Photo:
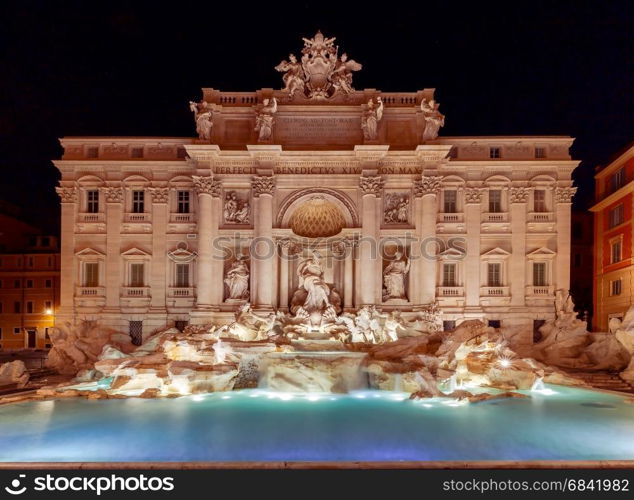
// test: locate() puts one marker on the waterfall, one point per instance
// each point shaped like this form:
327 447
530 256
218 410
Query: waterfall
398 382
538 385
220 351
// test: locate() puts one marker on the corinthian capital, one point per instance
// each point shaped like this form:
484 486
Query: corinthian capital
564 194
473 195
262 185
429 184
67 194
159 194
112 194
519 194
206 185
371 185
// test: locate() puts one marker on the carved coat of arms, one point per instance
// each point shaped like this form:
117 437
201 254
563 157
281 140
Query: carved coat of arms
321 73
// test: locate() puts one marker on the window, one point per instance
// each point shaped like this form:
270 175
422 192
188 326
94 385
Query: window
539 274
495 200
616 216
494 323
17 307
17 284
181 153
137 153
30 264
91 274
616 251
138 205
495 152
494 274
448 325
137 275
449 275
29 283
92 152
49 283
29 307
540 152
618 179
578 260
92 201
16 330
183 202
539 200
615 287
136 332
450 197
46 241
1 308
182 275
48 305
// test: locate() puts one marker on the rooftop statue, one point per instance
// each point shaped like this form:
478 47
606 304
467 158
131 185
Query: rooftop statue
321 74
203 119
434 119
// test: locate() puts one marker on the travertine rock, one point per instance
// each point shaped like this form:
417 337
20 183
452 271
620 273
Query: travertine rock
14 372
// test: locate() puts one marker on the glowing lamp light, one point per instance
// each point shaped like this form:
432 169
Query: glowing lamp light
49 311
505 363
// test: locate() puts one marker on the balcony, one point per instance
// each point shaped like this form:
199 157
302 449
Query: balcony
89 217
494 291
179 292
450 217
450 291
181 218
495 217
546 291
540 217
136 291
132 217
90 291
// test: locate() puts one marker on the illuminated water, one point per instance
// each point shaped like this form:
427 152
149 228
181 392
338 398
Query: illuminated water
569 424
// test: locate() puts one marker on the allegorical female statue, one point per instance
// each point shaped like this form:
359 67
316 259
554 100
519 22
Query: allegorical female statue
203 118
293 75
371 118
394 277
434 119
237 280
264 119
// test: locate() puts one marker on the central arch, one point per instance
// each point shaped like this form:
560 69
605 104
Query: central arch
296 199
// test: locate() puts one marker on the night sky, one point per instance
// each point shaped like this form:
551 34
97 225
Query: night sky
509 68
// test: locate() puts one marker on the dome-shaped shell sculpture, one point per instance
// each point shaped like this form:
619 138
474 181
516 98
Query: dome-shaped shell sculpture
316 218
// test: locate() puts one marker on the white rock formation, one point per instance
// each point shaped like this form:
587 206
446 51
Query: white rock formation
625 335
14 372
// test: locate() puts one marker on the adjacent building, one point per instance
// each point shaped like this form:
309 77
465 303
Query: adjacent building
29 285
613 222
173 231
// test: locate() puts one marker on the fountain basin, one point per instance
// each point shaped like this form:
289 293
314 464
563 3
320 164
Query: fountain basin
261 425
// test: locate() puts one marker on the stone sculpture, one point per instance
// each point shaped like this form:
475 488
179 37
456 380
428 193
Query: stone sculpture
293 75
433 119
203 119
237 279
264 119
370 119
394 277
236 211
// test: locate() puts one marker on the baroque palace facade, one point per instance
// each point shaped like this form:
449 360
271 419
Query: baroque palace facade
172 231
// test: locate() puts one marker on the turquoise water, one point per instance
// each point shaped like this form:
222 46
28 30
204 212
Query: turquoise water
256 425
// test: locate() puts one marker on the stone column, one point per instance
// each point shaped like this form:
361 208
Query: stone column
263 250
348 274
68 271
114 213
473 220
158 267
283 249
427 189
206 188
369 258
517 264
563 201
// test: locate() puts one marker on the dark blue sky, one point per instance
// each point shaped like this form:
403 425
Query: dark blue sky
129 68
